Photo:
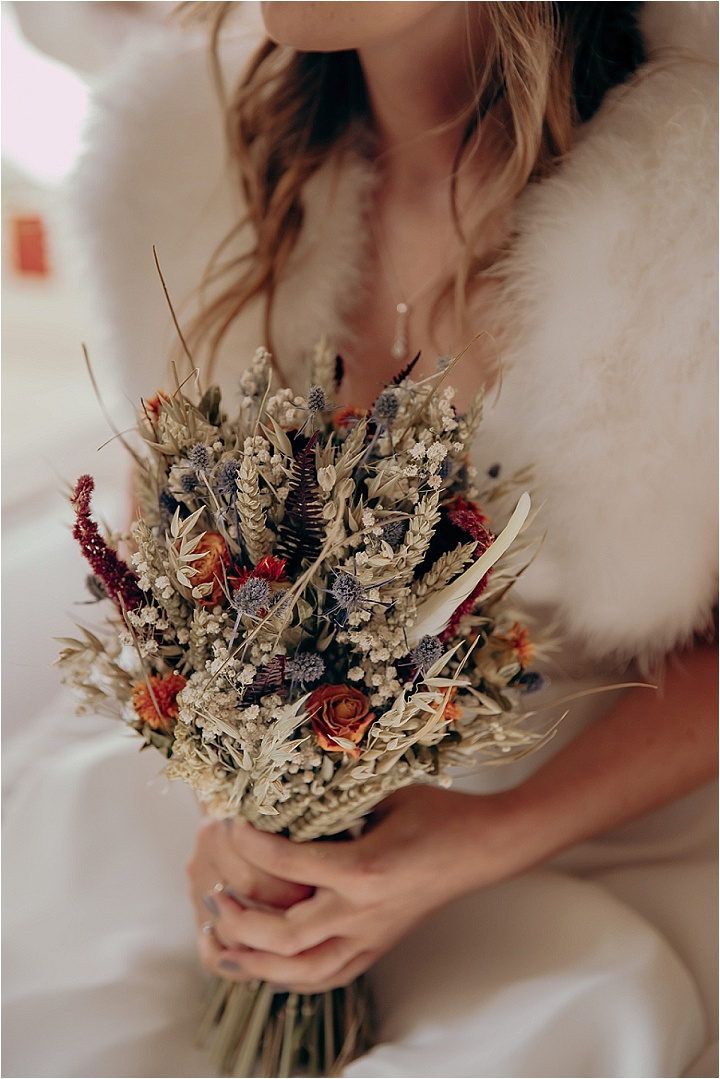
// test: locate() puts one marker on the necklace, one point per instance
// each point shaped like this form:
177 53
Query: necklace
401 336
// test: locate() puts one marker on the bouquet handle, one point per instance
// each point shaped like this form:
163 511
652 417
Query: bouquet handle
252 1029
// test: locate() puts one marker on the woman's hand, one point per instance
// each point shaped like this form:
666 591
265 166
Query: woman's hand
309 916
339 905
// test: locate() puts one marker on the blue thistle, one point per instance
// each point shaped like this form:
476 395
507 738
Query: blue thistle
394 533
251 597
199 457
350 594
426 652
226 477
317 400
386 408
305 667
347 592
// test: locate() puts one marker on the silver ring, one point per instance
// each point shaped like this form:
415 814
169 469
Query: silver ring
219 886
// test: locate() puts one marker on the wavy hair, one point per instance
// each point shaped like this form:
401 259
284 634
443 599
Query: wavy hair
545 68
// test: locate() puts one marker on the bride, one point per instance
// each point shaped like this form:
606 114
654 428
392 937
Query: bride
404 176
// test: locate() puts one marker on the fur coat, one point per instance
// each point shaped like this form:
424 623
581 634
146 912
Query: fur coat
609 385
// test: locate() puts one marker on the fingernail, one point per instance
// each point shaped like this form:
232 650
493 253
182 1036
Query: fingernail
234 895
211 905
229 964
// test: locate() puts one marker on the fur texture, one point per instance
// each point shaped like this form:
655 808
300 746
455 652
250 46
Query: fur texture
609 384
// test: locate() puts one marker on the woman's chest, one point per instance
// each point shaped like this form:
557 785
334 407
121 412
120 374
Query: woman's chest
385 333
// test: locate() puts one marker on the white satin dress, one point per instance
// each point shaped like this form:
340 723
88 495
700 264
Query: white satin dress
600 964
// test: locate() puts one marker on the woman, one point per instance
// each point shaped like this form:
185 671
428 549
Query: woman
573 155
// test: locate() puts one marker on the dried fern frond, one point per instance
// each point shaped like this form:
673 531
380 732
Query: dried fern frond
302 529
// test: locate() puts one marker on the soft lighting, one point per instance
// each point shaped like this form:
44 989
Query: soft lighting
43 108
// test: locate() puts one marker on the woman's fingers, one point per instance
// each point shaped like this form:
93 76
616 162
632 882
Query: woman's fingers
214 958
284 933
216 861
335 963
316 966
253 888
346 974
314 864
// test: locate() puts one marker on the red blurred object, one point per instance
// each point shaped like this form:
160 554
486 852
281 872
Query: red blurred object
29 245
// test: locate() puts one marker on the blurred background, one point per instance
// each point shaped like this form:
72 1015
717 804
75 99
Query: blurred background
52 56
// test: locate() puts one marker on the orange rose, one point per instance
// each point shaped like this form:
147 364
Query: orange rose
339 712
210 568
158 709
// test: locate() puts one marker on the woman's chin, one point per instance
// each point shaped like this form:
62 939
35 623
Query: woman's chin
335 25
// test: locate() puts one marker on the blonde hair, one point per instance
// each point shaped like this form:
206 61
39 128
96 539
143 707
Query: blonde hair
547 65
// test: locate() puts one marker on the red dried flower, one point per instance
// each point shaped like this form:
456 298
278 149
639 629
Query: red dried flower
158 709
269 568
120 581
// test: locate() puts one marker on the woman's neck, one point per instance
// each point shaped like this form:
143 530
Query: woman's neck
418 83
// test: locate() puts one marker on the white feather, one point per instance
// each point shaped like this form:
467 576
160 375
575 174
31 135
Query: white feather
435 613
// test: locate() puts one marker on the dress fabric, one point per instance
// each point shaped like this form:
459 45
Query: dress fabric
601 963
598 964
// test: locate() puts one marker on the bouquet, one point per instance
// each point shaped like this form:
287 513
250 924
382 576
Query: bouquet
312 613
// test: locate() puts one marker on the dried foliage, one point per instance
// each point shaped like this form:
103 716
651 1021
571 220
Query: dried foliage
301 534
297 552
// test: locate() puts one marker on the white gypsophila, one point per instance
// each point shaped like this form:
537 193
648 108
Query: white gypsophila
247 674
253 380
437 452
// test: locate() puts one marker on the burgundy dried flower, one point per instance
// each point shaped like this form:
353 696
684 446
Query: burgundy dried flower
466 517
119 580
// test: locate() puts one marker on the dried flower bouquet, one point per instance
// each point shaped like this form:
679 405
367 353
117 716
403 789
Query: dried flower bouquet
315 614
